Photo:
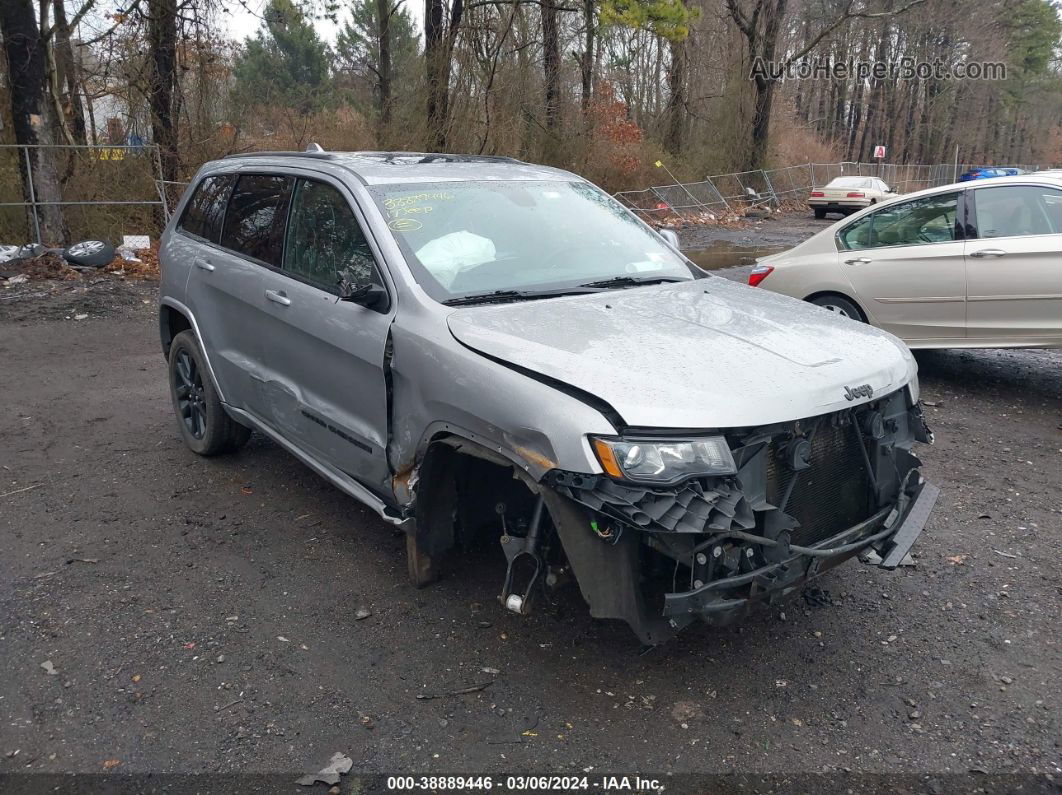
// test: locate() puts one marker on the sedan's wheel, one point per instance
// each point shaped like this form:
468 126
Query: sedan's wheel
204 425
820 212
839 305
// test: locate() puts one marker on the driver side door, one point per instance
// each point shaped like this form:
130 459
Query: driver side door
907 268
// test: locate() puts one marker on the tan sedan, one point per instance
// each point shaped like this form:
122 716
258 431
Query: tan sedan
846 195
971 265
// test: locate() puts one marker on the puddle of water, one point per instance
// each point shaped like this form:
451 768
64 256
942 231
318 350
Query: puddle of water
724 254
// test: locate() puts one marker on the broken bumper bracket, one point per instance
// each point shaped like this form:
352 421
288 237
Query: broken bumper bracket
719 601
911 527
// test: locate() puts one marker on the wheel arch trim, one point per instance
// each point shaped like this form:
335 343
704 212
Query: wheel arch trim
173 303
840 294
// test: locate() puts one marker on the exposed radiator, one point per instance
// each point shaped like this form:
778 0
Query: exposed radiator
830 496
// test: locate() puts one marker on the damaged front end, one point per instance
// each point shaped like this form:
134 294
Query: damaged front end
801 497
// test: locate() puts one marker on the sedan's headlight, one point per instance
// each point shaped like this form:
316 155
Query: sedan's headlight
664 460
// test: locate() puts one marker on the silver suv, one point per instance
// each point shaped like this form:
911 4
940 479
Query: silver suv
480 349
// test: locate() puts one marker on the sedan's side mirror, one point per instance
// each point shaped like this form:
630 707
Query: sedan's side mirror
370 296
671 236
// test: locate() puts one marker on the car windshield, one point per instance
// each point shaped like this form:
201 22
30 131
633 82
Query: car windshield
522 238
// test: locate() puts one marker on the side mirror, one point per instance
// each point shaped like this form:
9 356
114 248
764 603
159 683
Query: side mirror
370 296
671 236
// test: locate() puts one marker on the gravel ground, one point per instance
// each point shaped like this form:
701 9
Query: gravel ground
210 615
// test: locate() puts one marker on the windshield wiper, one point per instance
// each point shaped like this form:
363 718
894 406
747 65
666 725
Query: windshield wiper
499 296
631 281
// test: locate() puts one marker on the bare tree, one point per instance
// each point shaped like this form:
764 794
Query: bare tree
32 115
440 34
162 40
761 23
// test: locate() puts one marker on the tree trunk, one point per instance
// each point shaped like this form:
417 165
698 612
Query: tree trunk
162 41
676 98
437 72
383 98
32 117
761 118
586 57
68 79
551 64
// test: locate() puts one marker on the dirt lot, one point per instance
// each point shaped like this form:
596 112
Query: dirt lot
203 615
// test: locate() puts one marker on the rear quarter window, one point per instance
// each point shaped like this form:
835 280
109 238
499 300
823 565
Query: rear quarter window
206 211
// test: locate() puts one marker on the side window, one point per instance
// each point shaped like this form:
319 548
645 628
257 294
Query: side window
857 235
913 223
1018 211
325 244
205 212
254 222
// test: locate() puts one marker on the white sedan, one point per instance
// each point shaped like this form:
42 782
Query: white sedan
845 195
970 265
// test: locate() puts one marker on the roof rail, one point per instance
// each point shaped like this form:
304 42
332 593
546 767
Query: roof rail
421 158
319 155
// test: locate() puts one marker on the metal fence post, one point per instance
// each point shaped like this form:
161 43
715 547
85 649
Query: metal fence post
32 194
719 193
770 187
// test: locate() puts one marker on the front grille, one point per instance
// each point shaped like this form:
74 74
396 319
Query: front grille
830 496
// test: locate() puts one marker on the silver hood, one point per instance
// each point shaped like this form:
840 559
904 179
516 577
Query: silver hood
703 354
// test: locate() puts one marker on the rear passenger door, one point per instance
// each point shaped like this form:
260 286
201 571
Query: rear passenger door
222 285
1014 265
323 359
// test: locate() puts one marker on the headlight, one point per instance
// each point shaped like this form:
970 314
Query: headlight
664 460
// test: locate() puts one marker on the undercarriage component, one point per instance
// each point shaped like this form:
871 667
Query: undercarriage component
524 560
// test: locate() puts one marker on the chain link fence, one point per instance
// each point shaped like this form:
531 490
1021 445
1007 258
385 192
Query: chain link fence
104 191
109 191
725 193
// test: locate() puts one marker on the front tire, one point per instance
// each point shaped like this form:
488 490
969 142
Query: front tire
839 305
204 424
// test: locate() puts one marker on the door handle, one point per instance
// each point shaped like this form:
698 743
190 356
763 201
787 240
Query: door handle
278 298
858 261
988 252
202 264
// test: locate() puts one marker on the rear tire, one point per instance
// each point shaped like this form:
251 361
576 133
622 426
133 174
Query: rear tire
839 305
204 424
819 213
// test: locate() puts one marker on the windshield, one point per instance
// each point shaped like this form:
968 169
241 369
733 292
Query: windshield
470 238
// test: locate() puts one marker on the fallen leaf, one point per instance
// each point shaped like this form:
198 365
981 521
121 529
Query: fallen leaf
957 560
111 763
